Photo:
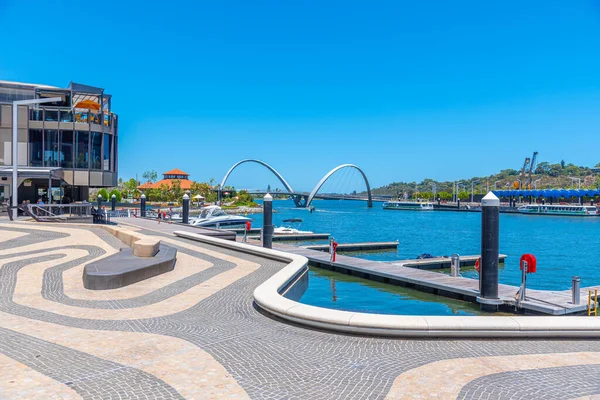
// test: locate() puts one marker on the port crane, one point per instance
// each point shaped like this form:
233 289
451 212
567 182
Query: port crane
519 184
531 168
526 172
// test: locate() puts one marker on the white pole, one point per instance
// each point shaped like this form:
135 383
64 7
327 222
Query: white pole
15 163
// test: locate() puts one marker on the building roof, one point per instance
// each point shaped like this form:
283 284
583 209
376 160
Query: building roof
23 84
185 184
176 171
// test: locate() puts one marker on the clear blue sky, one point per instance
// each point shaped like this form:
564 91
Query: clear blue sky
406 90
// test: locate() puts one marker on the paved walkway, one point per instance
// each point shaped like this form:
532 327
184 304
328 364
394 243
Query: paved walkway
194 333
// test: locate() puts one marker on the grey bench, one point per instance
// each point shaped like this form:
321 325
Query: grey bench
123 268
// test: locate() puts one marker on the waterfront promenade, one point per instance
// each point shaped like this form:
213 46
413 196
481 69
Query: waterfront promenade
195 333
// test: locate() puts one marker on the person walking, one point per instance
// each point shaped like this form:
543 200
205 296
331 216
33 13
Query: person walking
170 214
159 216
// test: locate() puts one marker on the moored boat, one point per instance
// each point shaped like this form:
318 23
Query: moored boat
407 205
559 209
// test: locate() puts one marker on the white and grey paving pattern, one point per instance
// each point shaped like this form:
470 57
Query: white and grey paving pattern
248 353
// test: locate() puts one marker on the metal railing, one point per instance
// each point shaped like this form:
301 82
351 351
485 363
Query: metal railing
56 114
61 210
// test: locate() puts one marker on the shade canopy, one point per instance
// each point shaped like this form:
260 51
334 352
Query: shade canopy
549 193
90 104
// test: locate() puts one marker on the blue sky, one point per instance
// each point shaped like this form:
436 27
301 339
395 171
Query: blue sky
406 90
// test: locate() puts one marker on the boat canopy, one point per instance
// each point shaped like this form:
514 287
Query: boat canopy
292 220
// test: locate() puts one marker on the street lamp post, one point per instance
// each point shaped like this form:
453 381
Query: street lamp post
472 188
535 183
495 184
578 181
15 147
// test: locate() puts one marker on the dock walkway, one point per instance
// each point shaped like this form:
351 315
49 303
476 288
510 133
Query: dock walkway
538 301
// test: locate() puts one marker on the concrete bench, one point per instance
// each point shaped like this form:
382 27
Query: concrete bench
124 268
146 247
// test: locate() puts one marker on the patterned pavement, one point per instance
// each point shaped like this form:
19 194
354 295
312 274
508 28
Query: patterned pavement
195 333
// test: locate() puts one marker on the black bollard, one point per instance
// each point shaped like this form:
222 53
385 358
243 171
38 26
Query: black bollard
458 203
267 230
113 201
488 272
143 206
186 209
99 201
439 201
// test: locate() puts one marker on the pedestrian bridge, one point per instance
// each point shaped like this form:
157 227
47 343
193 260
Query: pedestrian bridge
304 199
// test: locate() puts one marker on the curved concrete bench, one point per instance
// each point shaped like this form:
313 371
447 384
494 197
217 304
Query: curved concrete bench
146 247
268 297
123 268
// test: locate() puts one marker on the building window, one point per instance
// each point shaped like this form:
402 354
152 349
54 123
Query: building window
107 149
81 149
66 149
36 114
50 115
66 116
51 148
96 150
36 147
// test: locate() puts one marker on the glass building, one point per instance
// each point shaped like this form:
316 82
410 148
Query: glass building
64 148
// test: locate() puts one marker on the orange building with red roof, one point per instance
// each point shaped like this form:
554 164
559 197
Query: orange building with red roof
168 178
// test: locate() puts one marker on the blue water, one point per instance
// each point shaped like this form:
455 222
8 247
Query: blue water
563 246
324 288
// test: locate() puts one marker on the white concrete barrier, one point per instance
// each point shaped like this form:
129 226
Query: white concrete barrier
268 298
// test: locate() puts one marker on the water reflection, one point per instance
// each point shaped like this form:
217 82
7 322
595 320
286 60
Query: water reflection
338 291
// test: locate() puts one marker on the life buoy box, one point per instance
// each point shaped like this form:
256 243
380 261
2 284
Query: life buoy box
477 264
531 263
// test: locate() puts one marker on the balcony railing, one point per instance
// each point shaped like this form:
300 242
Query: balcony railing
54 114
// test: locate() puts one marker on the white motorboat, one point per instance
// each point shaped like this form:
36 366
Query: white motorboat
214 216
290 228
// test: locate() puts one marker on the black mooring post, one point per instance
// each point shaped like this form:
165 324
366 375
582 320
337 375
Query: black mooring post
458 203
267 230
143 206
186 209
488 273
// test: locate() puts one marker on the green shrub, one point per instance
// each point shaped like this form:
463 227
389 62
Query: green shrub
104 193
116 193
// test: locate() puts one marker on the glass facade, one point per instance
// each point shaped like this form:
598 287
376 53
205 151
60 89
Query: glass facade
82 139
66 149
51 148
107 151
96 150
36 147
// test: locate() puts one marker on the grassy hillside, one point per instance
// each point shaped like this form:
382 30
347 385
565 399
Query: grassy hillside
547 176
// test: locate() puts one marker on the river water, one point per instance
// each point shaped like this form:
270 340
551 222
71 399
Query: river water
563 246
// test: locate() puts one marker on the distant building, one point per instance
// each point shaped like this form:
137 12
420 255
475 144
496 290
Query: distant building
69 146
168 178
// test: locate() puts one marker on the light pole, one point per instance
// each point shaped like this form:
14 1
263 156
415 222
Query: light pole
15 147
434 188
535 183
495 184
578 182
472 188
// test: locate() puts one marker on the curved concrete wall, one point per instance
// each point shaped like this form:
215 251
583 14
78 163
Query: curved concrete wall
268 297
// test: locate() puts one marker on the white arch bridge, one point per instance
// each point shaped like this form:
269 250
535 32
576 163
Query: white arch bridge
304 199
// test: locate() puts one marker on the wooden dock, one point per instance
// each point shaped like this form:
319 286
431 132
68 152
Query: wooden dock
295 237
352 247
441 262
537 301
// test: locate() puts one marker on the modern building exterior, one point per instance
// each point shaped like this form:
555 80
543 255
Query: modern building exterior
68 146
167 181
